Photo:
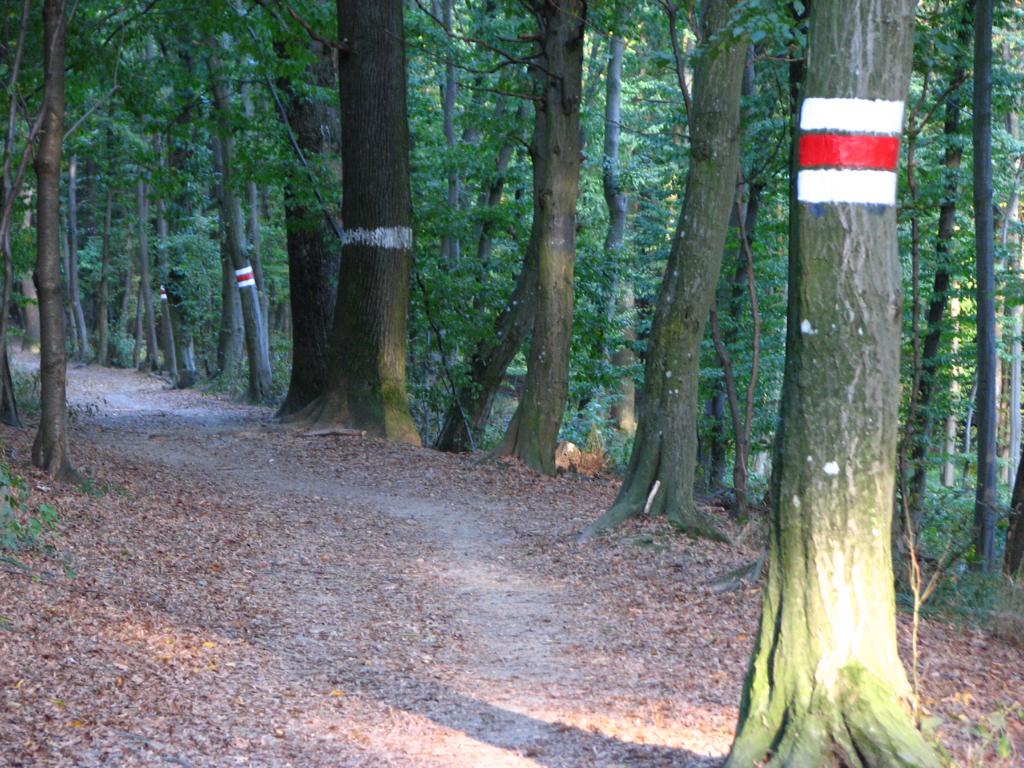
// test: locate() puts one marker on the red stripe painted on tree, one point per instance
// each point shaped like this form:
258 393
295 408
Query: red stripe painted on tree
832 150
245 277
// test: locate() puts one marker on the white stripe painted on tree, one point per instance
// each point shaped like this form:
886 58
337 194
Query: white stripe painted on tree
399 238
832 185
245 277
853 115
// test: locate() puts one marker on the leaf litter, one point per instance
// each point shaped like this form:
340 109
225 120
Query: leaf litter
247 595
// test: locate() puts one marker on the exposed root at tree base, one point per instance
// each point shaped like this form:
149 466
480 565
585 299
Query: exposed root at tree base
862 724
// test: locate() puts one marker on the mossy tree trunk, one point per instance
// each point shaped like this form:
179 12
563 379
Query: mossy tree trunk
366 362
557 155
826 686
665 449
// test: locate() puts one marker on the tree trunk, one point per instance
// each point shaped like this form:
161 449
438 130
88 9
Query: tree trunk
230 331
450 246
984 247
103 290
152 362
313 250
924 420
557 155
366 361
661 468
624 409
75 294
170 351
50 449
256 346
826 685
30 313
252 229
1013 562
470 409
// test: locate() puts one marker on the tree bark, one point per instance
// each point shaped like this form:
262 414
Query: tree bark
313 249
74 293
256 346
252 229
30 313
103 290
50 448
470 409
152 362
166 326
984 247
1013 562
366 363
660 475
924 421
557 152
825 685
624 409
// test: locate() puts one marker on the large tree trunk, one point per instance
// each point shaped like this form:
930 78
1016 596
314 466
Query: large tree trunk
624 409
366 366
557 154
1013 562
826 685
256 346
984 248
661 467
50 449
313 249
74 293
146 286
103 290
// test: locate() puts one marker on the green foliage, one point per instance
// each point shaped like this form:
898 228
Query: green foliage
21 529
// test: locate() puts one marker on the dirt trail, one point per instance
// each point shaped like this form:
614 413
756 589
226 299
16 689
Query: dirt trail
248 595
432 614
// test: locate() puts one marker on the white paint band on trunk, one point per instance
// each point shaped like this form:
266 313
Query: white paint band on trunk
831 185
381 237
853 115
245 277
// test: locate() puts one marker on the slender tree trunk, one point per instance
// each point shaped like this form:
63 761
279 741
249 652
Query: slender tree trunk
252 228
366 366
624 409
557 153
103 290
74 293
470 409
50 449
313 249
923 423
985 488
825 686
256 346
1013 562
660 475
230 332
30 313
152 362
166 326
1011 241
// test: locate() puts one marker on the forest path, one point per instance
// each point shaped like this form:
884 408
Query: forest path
248 595
379 604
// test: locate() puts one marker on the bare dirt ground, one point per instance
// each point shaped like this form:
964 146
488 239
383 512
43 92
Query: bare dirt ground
247 595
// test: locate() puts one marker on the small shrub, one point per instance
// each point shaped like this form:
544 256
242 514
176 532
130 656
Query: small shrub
1008 617
22 529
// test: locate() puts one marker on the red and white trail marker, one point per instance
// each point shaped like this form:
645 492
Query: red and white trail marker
245 277
848 151
163 293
